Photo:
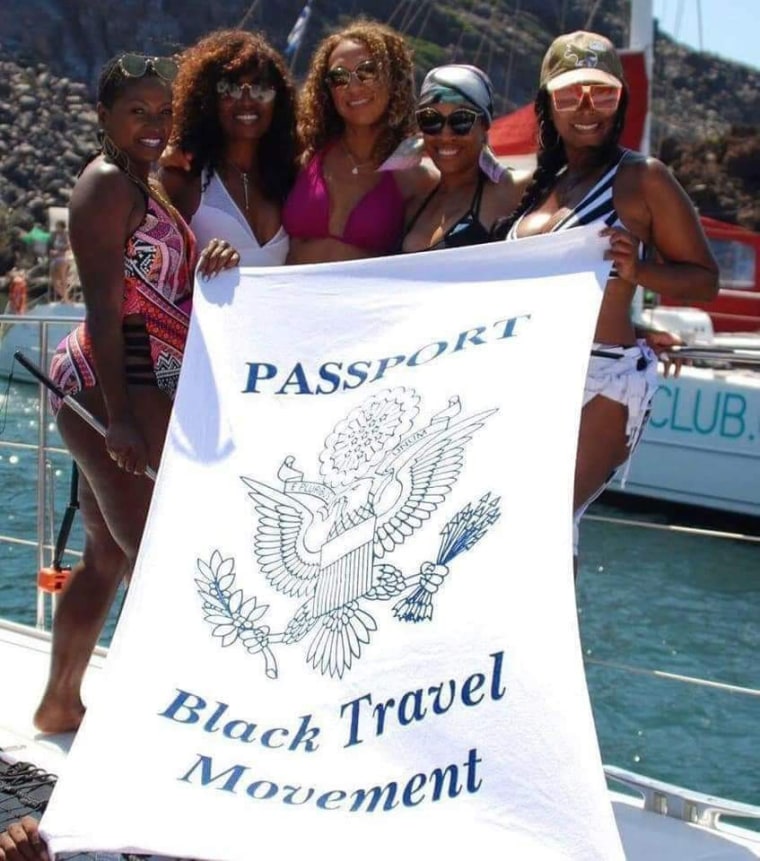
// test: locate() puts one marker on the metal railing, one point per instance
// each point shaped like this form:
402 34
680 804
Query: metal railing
42 447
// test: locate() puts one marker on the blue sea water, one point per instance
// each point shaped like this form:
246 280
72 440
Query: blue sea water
685 604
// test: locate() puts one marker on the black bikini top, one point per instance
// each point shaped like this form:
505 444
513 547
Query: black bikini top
467 230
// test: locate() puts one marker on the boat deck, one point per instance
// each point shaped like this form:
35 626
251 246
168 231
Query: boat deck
647 836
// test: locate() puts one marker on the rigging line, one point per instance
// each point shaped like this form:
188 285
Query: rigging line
678 19
699 24
592 15
424 24
487 29
396 8
251 9
676 677
416 14
673 527
510 58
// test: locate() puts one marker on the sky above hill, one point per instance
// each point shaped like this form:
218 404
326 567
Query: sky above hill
730 28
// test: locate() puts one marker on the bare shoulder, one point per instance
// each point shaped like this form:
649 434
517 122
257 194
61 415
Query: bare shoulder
103 186
183 189
417 181
512 184
648 173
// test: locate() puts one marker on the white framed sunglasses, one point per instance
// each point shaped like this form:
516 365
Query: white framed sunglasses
228 89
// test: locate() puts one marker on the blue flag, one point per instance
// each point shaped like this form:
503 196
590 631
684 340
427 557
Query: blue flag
299 28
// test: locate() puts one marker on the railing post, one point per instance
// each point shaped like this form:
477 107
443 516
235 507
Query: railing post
41 481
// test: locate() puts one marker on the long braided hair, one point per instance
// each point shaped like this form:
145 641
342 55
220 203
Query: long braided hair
551 158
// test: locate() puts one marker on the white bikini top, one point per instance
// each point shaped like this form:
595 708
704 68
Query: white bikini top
219 217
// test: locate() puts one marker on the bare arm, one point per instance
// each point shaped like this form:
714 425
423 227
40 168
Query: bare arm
106 207
686 268
183 189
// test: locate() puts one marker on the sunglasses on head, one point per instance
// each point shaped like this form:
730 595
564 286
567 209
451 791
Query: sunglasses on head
136 65
432 122
258 92
603 97
367 72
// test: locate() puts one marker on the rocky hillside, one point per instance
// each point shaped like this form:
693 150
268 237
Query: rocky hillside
706 110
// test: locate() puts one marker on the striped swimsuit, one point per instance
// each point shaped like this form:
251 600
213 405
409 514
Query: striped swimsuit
627 375
158 266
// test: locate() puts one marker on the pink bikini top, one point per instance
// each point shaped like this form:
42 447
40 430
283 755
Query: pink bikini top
375 223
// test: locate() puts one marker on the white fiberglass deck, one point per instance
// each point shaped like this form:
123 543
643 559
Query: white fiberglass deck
647 836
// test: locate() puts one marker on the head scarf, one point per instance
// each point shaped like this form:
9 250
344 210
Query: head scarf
453 84
458 83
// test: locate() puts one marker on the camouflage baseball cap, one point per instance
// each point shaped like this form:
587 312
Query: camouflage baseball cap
581 57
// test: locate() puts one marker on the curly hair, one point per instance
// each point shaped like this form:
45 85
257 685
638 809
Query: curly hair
197 130
551 158
319 121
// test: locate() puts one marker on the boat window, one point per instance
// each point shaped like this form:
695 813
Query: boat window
737 261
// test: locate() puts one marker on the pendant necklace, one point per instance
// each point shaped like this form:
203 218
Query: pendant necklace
244 178
355 166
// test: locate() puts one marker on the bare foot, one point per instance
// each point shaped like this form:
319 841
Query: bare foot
52 717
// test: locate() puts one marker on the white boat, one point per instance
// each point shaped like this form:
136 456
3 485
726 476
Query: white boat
701 446
36 334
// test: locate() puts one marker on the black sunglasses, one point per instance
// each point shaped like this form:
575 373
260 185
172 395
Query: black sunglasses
136 65
432 122
367 72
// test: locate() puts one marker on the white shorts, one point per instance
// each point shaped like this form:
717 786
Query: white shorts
627 375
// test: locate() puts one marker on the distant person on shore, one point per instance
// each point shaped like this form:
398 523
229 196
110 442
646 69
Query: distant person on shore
454 112
583 177
58 255
135 256
234 144
356 107
18 292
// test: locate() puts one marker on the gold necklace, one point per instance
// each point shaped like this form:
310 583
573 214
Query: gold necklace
245 178
356 166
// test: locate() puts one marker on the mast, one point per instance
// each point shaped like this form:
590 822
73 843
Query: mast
641 38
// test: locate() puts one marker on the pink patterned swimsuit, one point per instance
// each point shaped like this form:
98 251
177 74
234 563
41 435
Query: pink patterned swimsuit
158 265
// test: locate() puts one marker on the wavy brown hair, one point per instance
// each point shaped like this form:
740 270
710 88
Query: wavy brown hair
197 130
551 158
319 121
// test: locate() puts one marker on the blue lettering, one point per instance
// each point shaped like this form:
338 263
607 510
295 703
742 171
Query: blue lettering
471 686
734 417
438 346
697 404
246 735
266 737
673 420
375 794
438 775
289 793
418 711
235 773
438 689
183 701
331 800
305 735
258 371
497 689
471 335
270 789
510 325
354 705
297 377
390 362
411 788
353 370
329 377
655 422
